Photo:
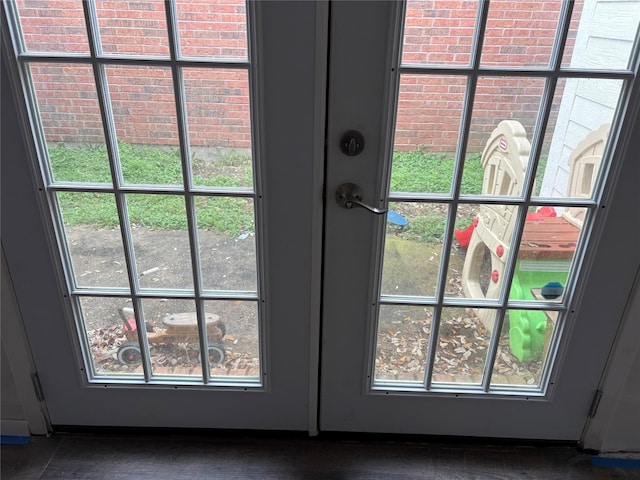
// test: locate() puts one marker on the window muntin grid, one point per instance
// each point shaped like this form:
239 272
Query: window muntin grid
551 76
138 290
420 69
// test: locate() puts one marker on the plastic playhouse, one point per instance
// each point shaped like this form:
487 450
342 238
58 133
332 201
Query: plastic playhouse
548 241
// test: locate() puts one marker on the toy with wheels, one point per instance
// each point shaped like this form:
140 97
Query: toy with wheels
176 328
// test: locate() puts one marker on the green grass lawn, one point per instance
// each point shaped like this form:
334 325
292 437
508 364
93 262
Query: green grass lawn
147 165
419 171
413 171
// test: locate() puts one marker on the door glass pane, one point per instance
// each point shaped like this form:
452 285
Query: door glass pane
576 137
71 123
463 343
133 28
219 124
520 34
426 134
402 343
172 333
93 239
112 343
602 35
213 29
53 27
226 236
413 248
143 183
524 348
240 343
545 257
439 32
504 115
144 113
484 243
497 163
160 240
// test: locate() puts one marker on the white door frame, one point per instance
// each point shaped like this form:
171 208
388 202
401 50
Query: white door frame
346 405
19 361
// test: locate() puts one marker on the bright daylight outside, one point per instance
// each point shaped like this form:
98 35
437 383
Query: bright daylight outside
456 350
151 227
145 233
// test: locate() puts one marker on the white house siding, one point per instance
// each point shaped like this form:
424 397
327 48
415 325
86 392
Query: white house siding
604 40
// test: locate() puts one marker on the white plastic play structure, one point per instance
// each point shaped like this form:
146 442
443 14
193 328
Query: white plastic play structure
584 165
504 160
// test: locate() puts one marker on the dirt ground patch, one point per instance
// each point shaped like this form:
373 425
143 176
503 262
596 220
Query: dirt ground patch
164 261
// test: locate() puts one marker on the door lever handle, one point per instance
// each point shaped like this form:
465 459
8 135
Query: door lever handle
349 195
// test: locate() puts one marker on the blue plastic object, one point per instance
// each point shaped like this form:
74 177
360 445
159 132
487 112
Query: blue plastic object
552 290
14 440
528 328
613 462
396 218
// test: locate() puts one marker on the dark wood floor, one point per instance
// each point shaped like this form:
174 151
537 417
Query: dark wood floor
160 456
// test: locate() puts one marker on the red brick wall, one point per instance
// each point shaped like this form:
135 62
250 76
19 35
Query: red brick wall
436 32
518 33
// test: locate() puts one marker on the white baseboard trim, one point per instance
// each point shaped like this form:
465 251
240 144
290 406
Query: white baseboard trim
15 428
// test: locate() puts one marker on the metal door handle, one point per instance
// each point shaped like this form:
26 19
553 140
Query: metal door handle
349 195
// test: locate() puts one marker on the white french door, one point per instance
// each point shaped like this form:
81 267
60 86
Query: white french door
358 319
221 101
410 342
